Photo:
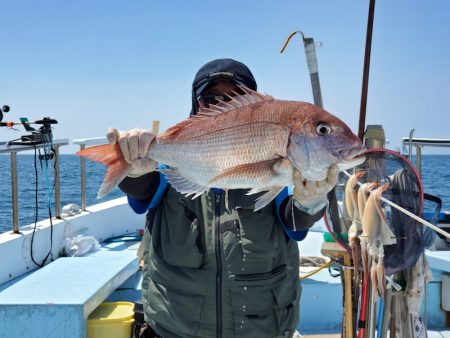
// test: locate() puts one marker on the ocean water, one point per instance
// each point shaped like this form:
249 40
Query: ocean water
70 182
435 177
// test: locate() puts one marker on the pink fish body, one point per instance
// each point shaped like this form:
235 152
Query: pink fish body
253 141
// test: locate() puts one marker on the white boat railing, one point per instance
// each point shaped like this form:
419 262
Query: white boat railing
6 148
419 143
83 142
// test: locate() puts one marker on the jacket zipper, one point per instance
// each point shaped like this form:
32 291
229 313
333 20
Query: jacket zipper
260 276
219 268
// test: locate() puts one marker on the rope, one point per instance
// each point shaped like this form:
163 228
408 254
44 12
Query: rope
326 265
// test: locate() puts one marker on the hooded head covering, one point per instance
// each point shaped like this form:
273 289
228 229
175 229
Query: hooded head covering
220 70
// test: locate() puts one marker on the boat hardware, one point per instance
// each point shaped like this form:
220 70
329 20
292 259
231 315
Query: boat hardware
311 59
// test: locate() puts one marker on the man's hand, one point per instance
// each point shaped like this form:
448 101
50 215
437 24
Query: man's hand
312 194
134 145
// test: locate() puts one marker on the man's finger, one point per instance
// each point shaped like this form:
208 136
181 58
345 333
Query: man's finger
145 138
333 175
112 135
298 178
123 142
133 145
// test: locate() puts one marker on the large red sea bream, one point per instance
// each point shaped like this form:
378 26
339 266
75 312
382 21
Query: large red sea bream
251 141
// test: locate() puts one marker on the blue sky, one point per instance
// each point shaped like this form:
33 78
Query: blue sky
96 64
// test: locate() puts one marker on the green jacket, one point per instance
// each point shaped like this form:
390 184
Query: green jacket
219 270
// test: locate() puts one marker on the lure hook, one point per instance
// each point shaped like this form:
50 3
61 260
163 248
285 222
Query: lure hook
289 39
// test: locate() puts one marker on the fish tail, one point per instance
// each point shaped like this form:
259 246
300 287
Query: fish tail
110 156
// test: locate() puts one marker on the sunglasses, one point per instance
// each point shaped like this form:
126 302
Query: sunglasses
211 99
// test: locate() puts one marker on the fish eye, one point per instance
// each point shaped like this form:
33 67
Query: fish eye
323 129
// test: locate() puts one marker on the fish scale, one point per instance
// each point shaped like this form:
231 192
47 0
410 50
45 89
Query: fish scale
203 159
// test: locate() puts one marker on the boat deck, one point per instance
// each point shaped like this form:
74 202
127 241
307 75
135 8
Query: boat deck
431 334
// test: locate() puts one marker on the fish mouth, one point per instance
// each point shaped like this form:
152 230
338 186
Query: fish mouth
354 161
354 157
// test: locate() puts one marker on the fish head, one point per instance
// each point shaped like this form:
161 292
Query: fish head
319 140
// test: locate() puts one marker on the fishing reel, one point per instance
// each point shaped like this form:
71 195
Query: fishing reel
4 109
40 136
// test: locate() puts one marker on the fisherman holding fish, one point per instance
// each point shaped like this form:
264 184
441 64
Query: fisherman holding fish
226 263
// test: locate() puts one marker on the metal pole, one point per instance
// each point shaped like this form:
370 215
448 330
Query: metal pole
83 180
14 192
57 185
411 133
310 51
419 159
365 83
311 60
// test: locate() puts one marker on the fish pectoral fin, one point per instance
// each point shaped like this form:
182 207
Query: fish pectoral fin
259 174
265 199
271 176
254 191
182 184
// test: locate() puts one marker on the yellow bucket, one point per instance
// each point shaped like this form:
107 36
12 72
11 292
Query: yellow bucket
111 319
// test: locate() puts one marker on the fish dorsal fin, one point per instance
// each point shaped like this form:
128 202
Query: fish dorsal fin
233 102
182 184
237 101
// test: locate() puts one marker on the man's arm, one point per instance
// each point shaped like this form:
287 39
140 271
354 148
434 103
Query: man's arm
298 218
290 212
140 190
307 205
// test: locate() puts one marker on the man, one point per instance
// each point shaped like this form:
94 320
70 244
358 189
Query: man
217 269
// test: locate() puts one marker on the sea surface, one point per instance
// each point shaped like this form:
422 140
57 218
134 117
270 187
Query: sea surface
435 178
70 182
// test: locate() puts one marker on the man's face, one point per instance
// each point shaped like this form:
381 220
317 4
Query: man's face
213 94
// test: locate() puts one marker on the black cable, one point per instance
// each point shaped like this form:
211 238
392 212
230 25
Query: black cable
36 209
50 215
49 203
36 216
49 209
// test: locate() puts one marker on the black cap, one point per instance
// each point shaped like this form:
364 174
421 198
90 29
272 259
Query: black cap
221 70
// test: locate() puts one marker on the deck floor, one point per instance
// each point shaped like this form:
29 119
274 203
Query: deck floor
323 336
431 334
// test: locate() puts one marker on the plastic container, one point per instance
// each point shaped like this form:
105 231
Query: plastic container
111 319
328 238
